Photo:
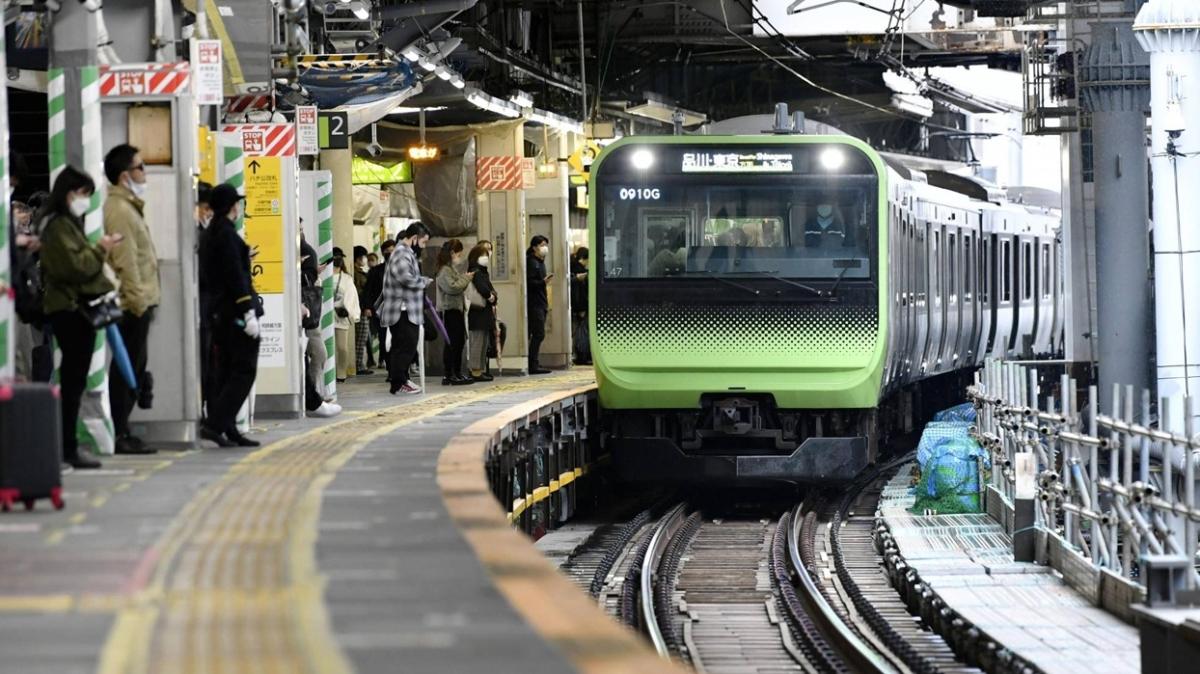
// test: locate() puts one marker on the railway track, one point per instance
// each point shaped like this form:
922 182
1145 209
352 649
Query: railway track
803 589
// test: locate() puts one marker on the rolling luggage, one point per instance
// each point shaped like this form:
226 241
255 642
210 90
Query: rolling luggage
30 445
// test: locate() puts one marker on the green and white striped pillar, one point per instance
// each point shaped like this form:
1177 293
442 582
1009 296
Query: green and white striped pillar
325 254
95 428
233 170
7 308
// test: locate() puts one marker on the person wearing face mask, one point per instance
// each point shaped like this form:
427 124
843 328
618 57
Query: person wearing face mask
537 300
234 310
401 306
451 288
579 306
371 296
825 229
136 265
73 274
362 329
481 319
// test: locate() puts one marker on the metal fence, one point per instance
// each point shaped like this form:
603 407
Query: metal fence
1116 482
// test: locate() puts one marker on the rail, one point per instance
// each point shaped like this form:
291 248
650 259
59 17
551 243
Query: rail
663 534
1115 485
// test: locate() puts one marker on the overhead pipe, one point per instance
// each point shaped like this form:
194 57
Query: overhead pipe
424 8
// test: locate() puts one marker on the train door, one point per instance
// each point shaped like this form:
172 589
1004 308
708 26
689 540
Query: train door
923 314
951 329
987 295
933 344
970 310
1045 297
1005 306
1056 331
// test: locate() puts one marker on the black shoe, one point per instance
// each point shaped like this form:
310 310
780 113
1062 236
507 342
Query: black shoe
132 445
240 440
216 436
484 377
538 370
81 462
447 381
364 372
459 380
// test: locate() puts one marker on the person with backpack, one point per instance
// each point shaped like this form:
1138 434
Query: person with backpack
24 245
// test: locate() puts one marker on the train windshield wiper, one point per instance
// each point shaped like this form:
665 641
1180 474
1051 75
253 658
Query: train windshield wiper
714 276
775 275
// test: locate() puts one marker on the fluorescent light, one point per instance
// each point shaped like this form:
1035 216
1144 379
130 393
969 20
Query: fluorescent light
406 110
657 108
522 99
427 64
642 159
360 10
443 73
833 158
458 82
412 54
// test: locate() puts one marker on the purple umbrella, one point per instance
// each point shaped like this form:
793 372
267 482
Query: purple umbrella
437 320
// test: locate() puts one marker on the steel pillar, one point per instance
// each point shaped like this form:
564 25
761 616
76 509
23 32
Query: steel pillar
1170 31
1115 73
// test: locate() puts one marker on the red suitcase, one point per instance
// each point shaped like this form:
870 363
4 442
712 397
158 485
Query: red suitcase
30 445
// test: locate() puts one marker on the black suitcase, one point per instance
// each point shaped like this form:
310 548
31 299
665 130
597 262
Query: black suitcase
30 445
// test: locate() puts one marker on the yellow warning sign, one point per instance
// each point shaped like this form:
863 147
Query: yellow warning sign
264 186
581 160
207 155
264 223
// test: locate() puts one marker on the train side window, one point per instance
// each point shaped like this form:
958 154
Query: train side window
952 267
968 280
1006 263
936 265
1027 267
1047 282
985 286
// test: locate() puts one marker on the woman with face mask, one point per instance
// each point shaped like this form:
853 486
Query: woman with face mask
452 285
72 274
481 319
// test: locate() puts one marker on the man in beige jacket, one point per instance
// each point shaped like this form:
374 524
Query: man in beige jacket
136 264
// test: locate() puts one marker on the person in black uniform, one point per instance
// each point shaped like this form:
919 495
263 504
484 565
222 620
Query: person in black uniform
536 300
826 228
234 310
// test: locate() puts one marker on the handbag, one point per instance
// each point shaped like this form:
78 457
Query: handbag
311 297
101 311
342 312
473 297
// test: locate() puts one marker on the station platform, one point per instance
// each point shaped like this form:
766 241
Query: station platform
968 561
329 549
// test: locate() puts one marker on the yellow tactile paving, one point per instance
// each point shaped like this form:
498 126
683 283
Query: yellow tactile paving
235 587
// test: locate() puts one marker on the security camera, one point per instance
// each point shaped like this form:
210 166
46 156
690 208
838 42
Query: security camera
374 150
1175 123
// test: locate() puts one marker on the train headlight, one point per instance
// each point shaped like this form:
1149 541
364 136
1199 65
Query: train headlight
833 159
642 159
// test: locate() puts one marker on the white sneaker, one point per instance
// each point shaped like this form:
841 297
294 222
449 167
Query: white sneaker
410 389
326 410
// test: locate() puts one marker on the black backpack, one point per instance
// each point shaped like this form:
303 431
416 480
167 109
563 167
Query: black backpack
27 285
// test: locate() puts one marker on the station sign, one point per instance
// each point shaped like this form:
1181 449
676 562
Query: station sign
307 136
333 130
208 84
264 222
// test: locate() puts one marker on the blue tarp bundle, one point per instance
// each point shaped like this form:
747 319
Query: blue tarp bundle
963 412
949 465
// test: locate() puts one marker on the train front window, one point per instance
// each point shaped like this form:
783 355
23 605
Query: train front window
733 226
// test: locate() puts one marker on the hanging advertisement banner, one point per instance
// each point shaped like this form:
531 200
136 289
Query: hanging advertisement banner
307 139
208 84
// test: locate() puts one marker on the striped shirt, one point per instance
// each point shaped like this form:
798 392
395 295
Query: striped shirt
403 288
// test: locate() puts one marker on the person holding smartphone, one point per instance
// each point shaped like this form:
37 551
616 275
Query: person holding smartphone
537 301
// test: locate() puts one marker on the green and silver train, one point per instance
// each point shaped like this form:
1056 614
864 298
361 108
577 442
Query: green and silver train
777 307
